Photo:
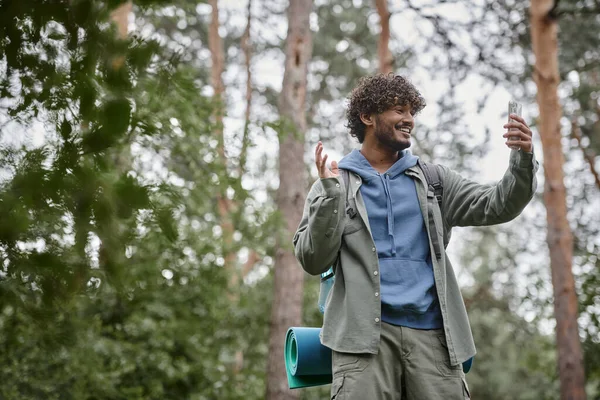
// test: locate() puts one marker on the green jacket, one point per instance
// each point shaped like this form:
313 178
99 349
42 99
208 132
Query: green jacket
326 237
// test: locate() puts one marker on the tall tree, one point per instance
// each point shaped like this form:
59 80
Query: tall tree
559 236
386 60
223 203
120 17
289 277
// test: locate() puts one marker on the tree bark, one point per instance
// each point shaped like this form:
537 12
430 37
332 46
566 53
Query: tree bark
224 205
289 278
559 236
120 17
386 60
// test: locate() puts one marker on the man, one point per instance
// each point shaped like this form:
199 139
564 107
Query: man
395 319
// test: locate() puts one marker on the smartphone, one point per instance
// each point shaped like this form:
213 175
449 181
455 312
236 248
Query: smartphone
514 108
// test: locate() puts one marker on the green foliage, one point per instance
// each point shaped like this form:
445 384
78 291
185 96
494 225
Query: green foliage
77 183
513 360
112 283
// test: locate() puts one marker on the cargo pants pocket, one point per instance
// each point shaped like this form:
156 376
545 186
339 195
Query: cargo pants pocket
442 358
349 362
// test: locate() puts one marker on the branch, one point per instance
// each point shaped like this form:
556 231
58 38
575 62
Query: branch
589 157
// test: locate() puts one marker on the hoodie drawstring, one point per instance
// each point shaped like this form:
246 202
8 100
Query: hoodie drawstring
390 211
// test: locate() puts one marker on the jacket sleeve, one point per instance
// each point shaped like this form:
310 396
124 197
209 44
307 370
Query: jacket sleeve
319 236
466 203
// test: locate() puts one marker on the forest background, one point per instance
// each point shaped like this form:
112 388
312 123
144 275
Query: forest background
151 159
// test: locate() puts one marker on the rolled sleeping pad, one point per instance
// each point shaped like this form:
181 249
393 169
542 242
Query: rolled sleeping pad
307 361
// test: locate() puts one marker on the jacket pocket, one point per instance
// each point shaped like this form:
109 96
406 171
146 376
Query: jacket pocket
336 388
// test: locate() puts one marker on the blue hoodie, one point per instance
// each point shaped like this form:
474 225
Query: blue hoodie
408 293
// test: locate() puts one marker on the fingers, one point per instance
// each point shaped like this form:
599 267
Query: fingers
321 163
518 126
318 151
319 160
519 135
519 140
518 118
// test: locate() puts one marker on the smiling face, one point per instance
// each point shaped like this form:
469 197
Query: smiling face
379 95
392 128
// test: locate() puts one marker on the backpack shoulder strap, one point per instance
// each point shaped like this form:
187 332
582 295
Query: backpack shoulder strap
351 210
435 190
345 178
433 180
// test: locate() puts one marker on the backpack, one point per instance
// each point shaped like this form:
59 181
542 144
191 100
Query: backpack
435 190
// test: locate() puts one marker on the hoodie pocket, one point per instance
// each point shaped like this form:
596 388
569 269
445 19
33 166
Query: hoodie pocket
406 285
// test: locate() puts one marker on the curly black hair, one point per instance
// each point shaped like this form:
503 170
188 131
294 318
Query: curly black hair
376 94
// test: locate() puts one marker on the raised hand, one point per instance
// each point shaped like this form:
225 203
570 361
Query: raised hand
523 133
321 160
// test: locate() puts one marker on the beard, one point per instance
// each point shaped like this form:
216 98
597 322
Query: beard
390 136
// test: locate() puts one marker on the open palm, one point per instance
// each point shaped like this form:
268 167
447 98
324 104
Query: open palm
321 162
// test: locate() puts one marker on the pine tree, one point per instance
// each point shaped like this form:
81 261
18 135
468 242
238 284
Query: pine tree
559 236
289 277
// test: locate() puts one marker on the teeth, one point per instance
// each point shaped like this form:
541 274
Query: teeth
405 129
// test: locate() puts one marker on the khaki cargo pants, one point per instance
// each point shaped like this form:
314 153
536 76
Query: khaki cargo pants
412 364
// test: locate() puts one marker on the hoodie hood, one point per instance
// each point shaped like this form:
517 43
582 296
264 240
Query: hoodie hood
358 164
380 183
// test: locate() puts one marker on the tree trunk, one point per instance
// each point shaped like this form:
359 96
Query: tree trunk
224 205
559 236
253 257
289 278
386 59
120 17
